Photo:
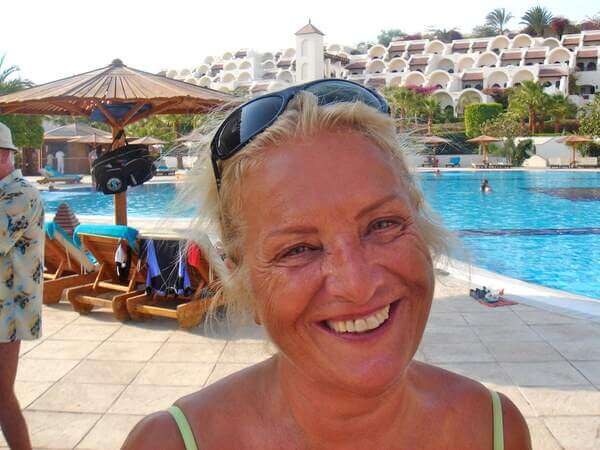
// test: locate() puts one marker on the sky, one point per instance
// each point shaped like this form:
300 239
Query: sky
51 39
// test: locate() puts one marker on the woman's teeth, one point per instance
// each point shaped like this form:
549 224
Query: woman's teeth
361 325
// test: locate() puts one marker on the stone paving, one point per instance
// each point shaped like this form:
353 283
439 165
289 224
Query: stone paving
91 378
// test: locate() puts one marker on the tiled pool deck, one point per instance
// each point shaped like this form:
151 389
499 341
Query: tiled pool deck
91 378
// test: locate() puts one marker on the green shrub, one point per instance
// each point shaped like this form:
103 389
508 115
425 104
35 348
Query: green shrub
523 150
476 114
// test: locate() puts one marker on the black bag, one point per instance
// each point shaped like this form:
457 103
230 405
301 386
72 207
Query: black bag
130 165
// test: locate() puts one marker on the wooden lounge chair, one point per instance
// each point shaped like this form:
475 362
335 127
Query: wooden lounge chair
587 161
189 311
106 290
165 171
65 265
52 176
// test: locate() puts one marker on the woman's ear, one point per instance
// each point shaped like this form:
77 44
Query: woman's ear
231 266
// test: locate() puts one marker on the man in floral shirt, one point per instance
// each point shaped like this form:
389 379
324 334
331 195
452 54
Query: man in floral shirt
21 282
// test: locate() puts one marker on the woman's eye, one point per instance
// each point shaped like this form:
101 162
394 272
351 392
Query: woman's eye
298 250
383 224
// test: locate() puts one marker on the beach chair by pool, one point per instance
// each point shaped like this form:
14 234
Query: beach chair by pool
52 175
587 161
430 161
165 171
557 163
189 310
107 289
65 264
453 162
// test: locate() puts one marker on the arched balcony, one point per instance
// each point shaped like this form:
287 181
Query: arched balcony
559 56
487 59
499 43
268 65
228 78
376 52
445 100
267 56
184 73
439 79
468 97
375 66
414 79
245 65
230 66
227 56
435 47
550 42
446 64
172 73
205 81
209 60
202 69
396 65
497 79
465 63
522 41
244 77
520 76
289 53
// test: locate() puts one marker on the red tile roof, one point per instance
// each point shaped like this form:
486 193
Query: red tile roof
587 53
535 54
571 41
460 45
397 47
480 44
309 28
553 73
591 37
357 65
473 76
511 56
419 60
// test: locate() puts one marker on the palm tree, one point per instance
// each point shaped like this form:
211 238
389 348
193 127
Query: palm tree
429 107
528 99
537 19
560 108
445 35
15 84
402 101
497 20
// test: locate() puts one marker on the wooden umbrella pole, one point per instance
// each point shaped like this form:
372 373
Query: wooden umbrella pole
120 198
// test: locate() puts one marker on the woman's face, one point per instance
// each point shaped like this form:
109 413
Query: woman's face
341 274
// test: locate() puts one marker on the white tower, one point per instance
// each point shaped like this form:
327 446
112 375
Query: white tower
310 58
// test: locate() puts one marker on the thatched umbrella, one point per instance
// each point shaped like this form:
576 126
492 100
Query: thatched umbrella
572 141
118 95
92 139
484 140
147 140
433 141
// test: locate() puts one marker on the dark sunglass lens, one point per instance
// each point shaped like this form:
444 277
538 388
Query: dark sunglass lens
244 123
338 92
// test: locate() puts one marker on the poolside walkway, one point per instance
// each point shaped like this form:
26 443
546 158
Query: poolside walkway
91 378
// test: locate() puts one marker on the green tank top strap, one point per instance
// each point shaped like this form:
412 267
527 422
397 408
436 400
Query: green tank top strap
184 428
498 425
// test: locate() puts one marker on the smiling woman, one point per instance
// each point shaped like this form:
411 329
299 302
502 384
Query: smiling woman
330 248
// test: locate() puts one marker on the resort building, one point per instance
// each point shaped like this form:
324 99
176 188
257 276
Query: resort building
462 72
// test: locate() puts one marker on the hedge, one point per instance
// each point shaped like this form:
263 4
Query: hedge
476 114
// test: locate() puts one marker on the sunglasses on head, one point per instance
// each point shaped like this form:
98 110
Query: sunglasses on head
254 116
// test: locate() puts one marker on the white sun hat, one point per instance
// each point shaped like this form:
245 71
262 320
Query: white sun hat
6 141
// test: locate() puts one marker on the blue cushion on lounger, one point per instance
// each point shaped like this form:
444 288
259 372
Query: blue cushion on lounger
52 228
116 231
56 174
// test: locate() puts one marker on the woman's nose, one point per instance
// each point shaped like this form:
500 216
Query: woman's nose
350 275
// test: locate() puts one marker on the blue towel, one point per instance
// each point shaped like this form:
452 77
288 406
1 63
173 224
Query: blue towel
56 174
116 231
52 228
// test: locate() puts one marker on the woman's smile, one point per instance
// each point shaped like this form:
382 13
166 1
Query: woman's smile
361 327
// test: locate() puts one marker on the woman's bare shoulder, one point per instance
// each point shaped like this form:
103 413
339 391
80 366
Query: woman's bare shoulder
469 397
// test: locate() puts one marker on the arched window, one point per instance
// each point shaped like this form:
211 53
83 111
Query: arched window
304 48
591 67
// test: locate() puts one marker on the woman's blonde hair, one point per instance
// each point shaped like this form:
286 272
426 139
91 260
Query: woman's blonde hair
219 214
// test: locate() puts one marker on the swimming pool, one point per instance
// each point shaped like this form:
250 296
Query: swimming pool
541 227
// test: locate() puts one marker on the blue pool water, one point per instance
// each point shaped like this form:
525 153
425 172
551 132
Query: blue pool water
539 227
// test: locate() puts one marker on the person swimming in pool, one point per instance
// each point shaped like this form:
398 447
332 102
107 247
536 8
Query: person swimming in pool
485 186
